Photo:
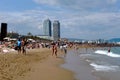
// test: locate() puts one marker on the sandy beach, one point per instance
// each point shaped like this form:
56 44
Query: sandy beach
38 64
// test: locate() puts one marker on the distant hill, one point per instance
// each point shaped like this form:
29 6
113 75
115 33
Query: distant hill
114 40
110 40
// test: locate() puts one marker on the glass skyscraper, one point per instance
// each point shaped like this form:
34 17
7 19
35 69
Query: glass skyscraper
56 30
47 27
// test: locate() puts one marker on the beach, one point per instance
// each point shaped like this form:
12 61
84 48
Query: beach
37 64
81 64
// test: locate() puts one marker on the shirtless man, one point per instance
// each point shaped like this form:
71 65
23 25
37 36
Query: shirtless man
54 49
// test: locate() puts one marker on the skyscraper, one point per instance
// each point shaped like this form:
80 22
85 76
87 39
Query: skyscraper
56 30
3 31
47 27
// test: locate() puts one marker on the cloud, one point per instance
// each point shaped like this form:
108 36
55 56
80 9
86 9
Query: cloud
102 25
112 1
51 2
78 19
27 21
22 22
82 5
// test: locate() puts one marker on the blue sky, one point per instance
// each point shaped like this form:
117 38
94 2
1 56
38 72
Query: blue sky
84 19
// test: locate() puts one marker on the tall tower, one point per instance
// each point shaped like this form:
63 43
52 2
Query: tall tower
47 27
56 30
3 31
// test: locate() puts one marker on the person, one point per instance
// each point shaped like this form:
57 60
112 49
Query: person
65 49
61 48
24 43
109 50
55 50
53 44
19 46
76 48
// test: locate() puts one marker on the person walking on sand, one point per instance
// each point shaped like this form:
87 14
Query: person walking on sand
24 43
55 50
53 44
19 46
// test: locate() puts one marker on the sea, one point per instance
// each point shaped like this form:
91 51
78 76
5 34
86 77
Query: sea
94 63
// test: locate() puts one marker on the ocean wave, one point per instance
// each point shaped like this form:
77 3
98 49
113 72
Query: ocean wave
104 52
104 67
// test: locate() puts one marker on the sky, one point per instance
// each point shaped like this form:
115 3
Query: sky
83 19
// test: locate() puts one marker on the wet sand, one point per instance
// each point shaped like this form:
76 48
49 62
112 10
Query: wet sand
73 62
38 64
76 61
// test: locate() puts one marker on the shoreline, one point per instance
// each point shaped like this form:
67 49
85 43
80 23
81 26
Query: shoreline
80 68
79 63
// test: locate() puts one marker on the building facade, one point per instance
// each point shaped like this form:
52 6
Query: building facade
56 30
47 27
3 33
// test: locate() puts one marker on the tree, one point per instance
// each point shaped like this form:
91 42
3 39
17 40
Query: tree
29 34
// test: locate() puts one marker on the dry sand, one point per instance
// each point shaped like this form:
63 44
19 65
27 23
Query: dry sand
38 64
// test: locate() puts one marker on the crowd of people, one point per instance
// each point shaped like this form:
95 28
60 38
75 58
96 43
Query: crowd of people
22 44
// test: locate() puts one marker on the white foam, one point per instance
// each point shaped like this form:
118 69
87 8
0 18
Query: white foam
104 52
88 60
104 67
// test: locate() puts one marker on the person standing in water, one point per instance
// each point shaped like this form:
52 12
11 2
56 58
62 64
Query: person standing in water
65 49
109 50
